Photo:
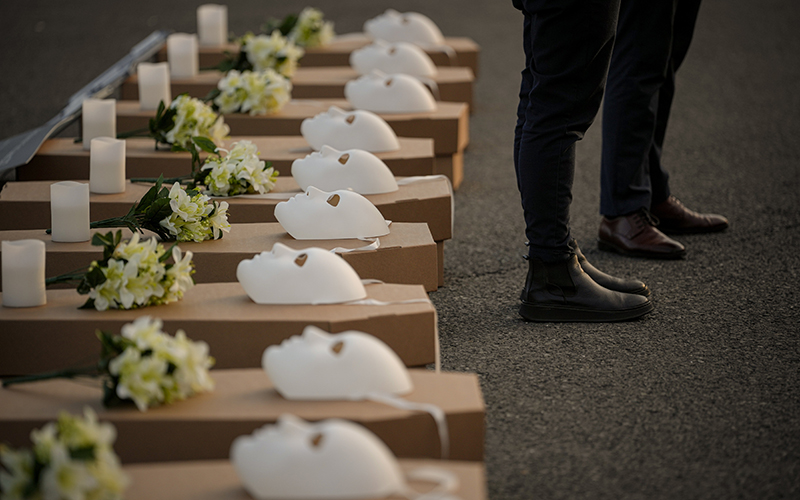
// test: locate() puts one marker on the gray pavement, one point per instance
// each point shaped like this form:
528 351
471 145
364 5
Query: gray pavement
698 400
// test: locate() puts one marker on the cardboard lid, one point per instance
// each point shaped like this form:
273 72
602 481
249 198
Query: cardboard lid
217 480
429 201
243 401
406 255
59 335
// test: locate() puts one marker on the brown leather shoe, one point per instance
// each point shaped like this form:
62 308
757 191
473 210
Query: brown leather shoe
677 219
635 235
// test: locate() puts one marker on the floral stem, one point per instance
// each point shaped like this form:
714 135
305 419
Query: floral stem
140 132
68 373
153 180
64 278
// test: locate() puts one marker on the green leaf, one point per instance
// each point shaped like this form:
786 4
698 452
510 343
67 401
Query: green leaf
89 304
205 144
211 96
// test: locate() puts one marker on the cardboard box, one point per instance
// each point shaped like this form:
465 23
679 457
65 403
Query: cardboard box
63 159
217 480
337 53
455 84
203 427
59 335
407 255
448 126
26 205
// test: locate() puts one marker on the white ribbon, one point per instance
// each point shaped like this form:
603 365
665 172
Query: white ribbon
448 50
434 411
376 243
432 85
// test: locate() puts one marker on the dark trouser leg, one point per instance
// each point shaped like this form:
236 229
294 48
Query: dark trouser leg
682 31
639 68
568 46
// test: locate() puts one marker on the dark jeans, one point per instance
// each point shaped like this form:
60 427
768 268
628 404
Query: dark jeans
653 37
568 45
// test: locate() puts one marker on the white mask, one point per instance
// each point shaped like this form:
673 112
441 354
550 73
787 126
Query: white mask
348 365
383 93
308 276
355 169
329 459
349 130
412 27
399 57
336 215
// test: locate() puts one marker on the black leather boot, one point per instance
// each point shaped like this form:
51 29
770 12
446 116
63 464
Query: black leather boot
562 291
606 280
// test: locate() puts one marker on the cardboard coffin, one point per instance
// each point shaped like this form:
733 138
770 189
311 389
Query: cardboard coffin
59 335
26 205
407 255
464 52
217 480
454 84
63 159
204 426
448 126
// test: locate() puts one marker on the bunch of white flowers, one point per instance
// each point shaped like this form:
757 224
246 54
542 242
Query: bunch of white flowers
72 458
272 52
311 29
136 274
193 218
194 118
155 368
239 172
254 92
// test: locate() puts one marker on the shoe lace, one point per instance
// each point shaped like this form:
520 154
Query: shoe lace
644 217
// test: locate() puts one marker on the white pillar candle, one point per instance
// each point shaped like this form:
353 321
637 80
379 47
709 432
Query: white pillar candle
69 211
98 119
153 85
23 273
212 24
182 55
107 166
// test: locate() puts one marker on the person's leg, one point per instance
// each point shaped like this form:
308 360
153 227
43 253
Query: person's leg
638 70
682 31
567 45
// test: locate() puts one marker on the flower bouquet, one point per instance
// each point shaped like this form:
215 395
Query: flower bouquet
184 119
132 274
144 365
254 92
240 171
71 458
308 29
261 52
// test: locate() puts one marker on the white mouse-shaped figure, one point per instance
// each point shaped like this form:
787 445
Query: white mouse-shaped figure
393 58
411 27
342 129
336 215
382 93
329 459
318 365
356 169
308 276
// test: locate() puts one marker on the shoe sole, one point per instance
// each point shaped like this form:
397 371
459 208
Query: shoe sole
555 313
608 247
700 230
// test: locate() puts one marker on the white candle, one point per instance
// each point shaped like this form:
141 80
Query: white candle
98 119
69 211
212 24
153 85
182 55
107 166
23 273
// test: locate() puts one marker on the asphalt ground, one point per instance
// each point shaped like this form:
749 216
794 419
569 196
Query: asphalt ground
699 399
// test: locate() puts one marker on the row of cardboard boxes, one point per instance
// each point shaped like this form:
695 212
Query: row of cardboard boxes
193 437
